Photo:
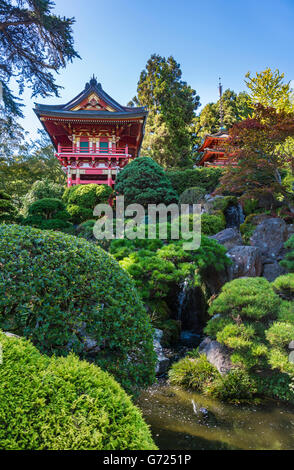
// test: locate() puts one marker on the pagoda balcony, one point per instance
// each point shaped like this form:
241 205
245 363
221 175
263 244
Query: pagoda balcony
93 152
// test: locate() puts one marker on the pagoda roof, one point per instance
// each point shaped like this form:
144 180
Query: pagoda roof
103 106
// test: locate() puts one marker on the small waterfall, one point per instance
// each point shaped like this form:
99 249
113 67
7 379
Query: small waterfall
182 298
188 312
234 216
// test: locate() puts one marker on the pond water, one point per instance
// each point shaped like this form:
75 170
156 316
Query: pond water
181 420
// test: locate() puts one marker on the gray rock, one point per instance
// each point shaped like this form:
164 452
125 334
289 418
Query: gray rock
291 345
246 262
217 354
11 335
162 361
291 357
272 270
269 237
229 237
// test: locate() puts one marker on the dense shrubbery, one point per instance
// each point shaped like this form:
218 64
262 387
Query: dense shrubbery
7 208
206 178
144 182
256 325
193 373
41 189
63 404
47 213
81 199
159 269
284 286
212 224
192 195
58 290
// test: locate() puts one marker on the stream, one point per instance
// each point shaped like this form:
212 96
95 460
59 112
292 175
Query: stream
181 420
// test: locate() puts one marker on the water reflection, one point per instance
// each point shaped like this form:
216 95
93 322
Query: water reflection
186 421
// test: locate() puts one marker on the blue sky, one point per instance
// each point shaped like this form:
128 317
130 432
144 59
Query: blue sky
208 38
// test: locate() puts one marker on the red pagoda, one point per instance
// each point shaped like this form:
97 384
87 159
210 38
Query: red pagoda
94 136
213 151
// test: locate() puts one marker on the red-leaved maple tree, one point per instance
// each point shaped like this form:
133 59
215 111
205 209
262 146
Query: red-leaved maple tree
261 150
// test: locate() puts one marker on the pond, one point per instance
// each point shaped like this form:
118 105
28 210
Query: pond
181 420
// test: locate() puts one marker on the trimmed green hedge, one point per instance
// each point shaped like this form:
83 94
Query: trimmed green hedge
57 289
63 404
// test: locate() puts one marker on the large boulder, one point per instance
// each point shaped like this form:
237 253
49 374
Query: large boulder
246 262
269 237
217 354
272 270
229 237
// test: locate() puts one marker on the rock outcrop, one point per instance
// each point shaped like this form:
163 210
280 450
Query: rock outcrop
230 237
269 237
246 262
217 354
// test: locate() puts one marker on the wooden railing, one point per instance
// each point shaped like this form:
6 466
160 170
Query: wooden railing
93 151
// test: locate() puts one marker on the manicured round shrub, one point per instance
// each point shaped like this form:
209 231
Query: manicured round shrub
41 189
63 404
78 214
284 286
47 213
250 298
144 182
192 195
63 293
87 195
212 224
81 199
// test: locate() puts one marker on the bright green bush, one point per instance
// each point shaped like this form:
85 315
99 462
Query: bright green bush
78 214
284 286
81 199
56 289
41 189
206 178
212 224
63 404
280 334
288 261
250 298
235 386
193 373
87 195
256 326
144 182
192 195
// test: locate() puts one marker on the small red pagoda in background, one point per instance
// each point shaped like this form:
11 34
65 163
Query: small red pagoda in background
94 136
213 149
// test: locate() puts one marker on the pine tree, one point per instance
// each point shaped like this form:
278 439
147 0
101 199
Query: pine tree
34 42
171 104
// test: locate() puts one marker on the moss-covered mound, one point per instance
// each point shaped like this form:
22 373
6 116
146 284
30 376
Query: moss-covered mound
63 293
63 404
